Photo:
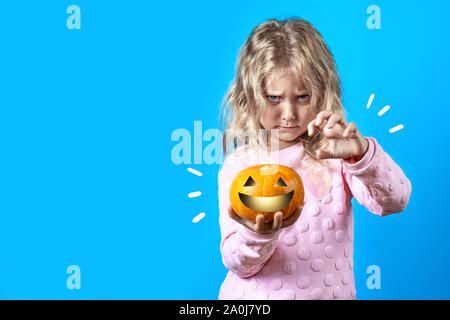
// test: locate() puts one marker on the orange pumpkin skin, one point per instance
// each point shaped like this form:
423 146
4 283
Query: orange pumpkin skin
266 191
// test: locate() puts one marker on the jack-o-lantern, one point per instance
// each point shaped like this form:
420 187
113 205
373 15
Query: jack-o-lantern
266 189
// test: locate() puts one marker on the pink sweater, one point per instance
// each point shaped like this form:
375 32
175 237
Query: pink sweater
313 258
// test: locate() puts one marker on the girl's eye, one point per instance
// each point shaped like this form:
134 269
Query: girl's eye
304 97
270 98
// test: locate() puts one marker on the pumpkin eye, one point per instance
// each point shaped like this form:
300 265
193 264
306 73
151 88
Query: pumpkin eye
280 183
250 182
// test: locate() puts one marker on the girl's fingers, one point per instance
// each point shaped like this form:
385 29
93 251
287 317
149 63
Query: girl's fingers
350 130
311 128
260 223
335 118
277 221
322 115
318 121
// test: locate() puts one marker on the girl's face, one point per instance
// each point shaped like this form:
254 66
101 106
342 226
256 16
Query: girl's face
287 108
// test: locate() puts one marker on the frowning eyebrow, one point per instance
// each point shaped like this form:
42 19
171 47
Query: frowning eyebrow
277 93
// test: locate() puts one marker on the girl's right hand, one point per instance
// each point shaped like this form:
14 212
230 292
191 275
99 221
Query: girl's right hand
260 226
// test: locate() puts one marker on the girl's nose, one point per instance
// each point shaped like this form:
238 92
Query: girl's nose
288 113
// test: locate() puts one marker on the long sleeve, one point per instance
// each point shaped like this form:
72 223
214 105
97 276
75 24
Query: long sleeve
377 182
244 252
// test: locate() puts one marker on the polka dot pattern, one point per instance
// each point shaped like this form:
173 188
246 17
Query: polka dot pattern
289 267
303 253
330 251
346 278
303 282
328 224
317 265
329 280
316 237
389 200
337 292
339 264
378 186
276 284
314 210
313 259
340 235
290 239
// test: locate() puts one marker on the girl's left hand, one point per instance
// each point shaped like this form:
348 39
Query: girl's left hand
343 140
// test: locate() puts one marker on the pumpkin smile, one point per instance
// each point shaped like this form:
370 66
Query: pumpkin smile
266 189
266 204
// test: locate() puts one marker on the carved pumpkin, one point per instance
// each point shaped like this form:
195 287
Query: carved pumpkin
266 189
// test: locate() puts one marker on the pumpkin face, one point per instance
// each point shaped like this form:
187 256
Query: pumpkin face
266 189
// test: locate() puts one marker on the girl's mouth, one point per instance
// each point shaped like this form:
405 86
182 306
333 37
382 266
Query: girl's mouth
287 128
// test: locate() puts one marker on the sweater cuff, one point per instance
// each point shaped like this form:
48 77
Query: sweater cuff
365 161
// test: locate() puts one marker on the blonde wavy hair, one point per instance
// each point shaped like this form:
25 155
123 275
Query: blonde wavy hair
292 45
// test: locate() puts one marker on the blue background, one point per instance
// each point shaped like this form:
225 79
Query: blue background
86 118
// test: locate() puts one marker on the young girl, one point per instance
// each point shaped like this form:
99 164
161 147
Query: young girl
287 84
